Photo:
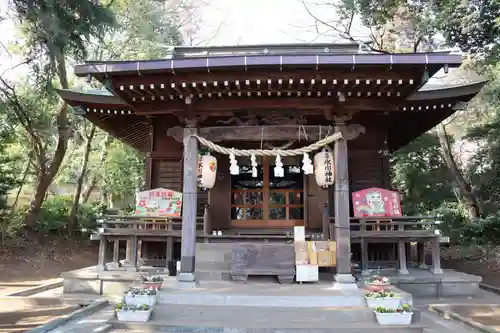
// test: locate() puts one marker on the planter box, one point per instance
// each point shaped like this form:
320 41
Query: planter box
134 316
141 299
151 285
394 319
376 287
388 302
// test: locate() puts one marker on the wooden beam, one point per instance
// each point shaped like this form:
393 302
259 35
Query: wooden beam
266 133
304 103
368 73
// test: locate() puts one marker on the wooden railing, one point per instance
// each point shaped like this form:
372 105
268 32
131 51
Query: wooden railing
113 225
386 226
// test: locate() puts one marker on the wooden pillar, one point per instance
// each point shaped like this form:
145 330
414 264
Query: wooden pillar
343 278
188 242
364 257
326 223
116 254
421 255
436 257
101 261
133 255
403 270
128 252
207 228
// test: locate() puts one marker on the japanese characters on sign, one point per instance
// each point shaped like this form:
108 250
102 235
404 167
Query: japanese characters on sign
158 202
376 202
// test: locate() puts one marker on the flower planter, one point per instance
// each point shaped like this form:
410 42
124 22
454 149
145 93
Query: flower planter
140 316
386 302
394 319
138 300
151 285
376 286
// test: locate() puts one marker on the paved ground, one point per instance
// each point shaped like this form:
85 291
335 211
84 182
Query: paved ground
256 288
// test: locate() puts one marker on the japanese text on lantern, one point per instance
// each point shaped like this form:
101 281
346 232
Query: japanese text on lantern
328 169
199 177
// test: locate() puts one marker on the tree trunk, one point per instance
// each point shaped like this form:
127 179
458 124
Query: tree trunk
46 176
79 185
464 187
102 159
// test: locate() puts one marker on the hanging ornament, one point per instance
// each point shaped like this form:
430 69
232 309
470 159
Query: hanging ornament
234 169
278 168
307 166
323 168
207 171
254 166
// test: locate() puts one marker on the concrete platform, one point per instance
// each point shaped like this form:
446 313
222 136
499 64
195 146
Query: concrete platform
182 318
423 283
93 282
226 293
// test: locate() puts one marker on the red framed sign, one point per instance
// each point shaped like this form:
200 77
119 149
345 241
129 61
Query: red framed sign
376 202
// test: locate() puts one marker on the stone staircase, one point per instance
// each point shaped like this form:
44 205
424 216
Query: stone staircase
219 318
262 308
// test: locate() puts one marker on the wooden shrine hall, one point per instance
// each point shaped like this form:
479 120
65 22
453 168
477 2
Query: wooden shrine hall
269 98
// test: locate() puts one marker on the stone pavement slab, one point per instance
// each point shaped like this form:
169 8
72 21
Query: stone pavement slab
94 323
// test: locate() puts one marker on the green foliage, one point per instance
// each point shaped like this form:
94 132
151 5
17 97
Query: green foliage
54 215
454 219
123 171
484 232
420 175
8 173
56 28
472 25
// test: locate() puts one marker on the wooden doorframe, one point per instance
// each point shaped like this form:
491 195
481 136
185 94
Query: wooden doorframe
266 222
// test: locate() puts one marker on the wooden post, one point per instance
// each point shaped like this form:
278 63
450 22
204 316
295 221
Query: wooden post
343 278
326 223
133 255
365 271
128 252
402 258
116 254
421 255
207 228
101 263
436 257
186 276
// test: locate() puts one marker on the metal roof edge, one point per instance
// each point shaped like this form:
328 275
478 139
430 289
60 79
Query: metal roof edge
246 62
89 97
448 92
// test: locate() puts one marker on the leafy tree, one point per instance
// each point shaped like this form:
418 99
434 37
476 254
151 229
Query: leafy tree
8 173
123 172
421 176
52 30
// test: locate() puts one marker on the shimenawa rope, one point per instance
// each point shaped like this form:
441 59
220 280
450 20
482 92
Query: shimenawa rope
269 152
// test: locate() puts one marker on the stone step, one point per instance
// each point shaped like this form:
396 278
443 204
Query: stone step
179 318
257 300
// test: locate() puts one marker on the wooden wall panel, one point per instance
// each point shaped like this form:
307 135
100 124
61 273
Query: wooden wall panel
220 195
167 173
316 199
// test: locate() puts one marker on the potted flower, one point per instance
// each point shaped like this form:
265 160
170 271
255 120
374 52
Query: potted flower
134 313
377 283
152 282
399 316
386 299
140 296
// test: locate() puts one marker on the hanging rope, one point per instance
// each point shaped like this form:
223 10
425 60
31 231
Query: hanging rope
269 152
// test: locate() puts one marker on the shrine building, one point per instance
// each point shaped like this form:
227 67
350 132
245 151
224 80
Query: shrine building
301 135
